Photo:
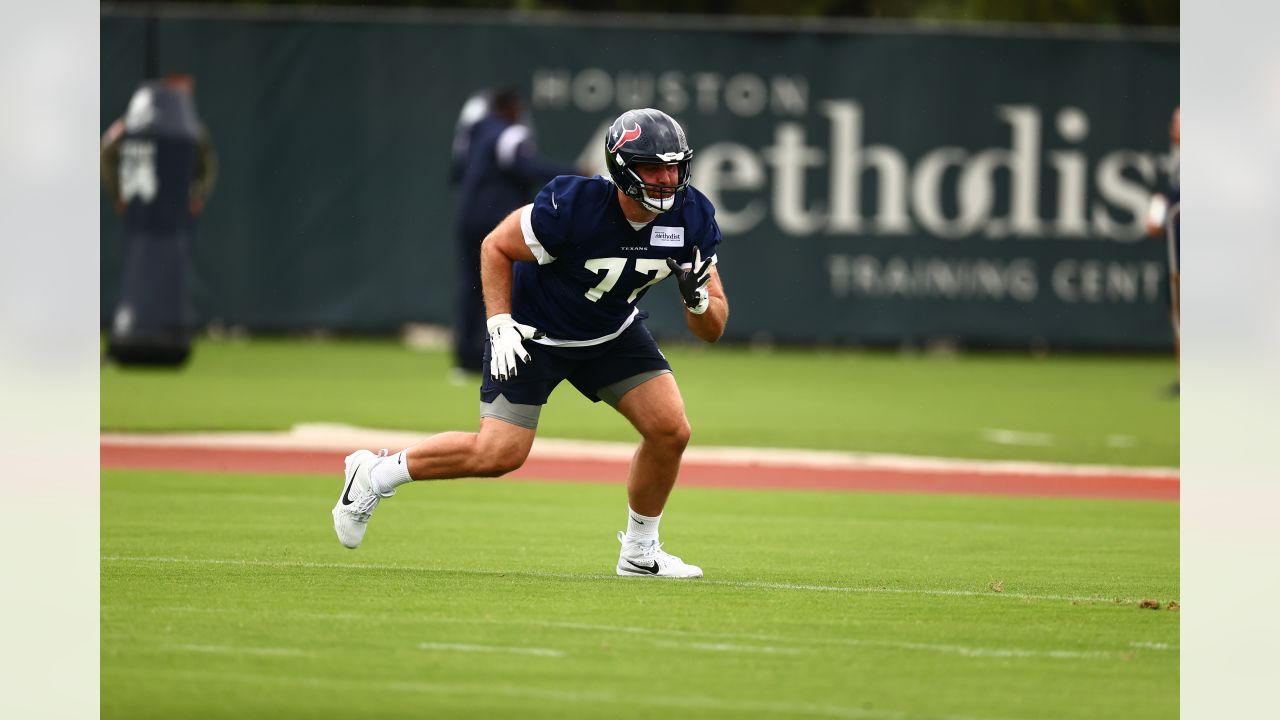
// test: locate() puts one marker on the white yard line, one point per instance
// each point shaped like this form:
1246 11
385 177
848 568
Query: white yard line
239 650
573 697
467 647
650 632
344 438
1153 646
1017 437
930 647
734 648
962 650
582 576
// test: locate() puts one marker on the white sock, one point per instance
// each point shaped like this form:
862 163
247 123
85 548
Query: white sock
391 473
641 528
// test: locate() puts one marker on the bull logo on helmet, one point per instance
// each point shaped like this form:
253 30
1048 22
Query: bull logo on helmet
627 136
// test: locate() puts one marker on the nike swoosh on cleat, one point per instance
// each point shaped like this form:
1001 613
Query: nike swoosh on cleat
651 570
346 494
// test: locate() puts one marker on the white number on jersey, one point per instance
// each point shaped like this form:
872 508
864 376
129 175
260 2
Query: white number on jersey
644 266
138 170
614 268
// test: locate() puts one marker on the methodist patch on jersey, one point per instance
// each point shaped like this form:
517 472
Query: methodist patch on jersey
667 236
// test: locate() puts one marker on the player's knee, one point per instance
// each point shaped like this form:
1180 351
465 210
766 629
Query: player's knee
673 433
683 433
500 460
497 465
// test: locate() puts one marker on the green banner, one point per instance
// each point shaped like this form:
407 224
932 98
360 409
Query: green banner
877 188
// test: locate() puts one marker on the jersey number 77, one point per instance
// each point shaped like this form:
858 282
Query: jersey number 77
614 267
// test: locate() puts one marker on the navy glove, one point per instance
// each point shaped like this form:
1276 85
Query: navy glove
693 282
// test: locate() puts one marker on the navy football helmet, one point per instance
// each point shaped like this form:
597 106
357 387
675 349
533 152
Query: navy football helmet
647 136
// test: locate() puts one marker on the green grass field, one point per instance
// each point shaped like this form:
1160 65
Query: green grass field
1092 409
228 596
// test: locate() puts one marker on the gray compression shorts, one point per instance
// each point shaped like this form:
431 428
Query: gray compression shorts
526 416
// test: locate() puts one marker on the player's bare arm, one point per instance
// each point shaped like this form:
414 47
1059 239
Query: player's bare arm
502 247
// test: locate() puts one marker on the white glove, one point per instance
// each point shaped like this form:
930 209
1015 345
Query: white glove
506 340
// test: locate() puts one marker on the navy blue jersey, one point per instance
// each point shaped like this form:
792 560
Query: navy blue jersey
497 173
593 266
159 157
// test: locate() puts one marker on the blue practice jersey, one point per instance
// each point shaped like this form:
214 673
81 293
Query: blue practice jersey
159 157
498 173
593 266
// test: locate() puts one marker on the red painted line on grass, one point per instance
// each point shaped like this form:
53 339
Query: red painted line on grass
700 474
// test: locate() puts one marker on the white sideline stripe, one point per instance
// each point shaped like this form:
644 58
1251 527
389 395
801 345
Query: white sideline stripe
730 647
962 650
465 647
1153 646
342 438
582 576
342 617
591 697
1017 437
239 650
931 647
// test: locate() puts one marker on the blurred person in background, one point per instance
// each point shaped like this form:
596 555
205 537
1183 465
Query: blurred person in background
562 277
1164 222
158 168
495 166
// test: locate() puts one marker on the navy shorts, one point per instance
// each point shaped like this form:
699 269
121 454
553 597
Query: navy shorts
595 370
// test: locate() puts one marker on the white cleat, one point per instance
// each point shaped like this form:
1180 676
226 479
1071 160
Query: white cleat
648 560
358 499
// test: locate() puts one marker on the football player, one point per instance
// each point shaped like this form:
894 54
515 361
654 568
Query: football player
1164 222
562 277
496 167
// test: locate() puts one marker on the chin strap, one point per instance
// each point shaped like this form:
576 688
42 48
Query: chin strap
656 204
